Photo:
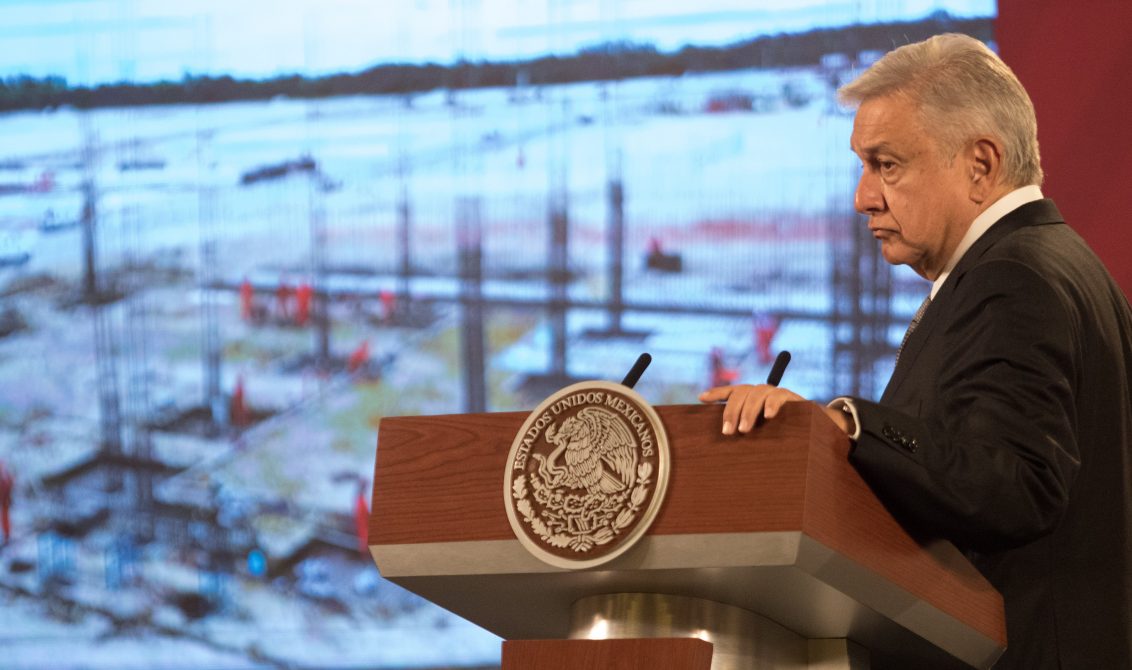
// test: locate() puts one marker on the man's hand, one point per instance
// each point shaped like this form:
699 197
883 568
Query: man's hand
746 403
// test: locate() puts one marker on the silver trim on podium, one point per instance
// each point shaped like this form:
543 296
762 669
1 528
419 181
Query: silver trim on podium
741 639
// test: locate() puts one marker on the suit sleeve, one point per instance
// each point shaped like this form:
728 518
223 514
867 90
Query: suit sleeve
990 465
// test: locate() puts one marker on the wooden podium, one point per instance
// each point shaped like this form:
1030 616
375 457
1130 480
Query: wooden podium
774 525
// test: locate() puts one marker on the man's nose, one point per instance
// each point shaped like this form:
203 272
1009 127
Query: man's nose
868 199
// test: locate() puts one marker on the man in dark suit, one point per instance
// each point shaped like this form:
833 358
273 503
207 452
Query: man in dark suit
1007 424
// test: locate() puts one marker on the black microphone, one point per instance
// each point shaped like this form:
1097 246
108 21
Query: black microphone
778 368
637 370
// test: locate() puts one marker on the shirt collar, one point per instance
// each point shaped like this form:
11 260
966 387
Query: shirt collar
982 223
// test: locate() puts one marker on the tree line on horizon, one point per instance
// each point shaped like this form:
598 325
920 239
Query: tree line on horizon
606 62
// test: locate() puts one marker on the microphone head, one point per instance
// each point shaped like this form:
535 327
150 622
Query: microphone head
637 370
779 367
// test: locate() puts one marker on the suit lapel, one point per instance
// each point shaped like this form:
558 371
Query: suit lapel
1034 213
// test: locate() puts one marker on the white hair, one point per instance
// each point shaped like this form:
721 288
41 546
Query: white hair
963 90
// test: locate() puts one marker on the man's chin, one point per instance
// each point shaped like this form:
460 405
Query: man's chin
895 254
902 255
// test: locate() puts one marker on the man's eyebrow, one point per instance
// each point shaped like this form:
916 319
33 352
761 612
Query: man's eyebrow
874 149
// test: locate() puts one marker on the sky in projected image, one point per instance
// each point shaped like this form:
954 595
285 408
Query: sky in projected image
91 41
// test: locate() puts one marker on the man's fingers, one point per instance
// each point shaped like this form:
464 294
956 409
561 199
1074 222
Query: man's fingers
746 403
773 404
716 394
777 399
750 411
734 408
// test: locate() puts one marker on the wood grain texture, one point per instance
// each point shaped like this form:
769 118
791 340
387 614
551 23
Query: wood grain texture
632 654
440 478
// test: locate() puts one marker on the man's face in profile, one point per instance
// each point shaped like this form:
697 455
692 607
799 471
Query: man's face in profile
917 199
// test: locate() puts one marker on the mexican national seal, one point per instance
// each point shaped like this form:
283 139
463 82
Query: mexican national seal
586 474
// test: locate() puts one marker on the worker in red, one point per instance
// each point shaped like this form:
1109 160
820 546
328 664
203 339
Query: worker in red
361 517
283 294
388 304
303 303
7 484
766 327
247 296
720 373
239 409
359 357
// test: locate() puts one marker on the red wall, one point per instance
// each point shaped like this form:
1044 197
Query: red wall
1075 59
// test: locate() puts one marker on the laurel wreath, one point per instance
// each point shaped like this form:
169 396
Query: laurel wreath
553 524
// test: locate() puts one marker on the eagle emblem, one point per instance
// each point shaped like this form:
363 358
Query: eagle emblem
600 453
586 474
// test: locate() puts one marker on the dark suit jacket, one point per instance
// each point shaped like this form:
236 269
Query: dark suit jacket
1007 429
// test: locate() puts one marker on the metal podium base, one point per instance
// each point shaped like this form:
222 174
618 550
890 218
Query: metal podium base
742 640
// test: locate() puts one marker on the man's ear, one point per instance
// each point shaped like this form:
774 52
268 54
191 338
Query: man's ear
985 166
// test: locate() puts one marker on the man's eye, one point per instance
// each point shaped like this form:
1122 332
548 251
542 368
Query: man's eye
886 166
